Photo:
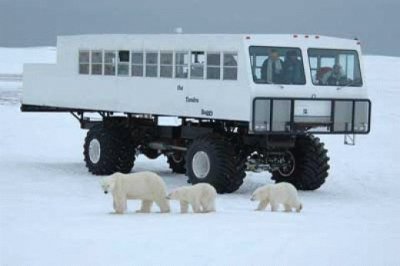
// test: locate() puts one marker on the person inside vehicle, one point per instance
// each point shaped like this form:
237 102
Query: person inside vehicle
293 71
271 70
335 77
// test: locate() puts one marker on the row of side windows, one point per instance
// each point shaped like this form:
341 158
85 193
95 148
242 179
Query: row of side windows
164 64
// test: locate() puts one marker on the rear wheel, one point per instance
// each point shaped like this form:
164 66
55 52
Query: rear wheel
107 151
177 162
306 165
211 159
150 153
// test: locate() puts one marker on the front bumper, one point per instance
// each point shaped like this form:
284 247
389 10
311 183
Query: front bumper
316 115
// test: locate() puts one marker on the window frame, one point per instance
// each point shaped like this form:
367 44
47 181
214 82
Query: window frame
219 66
191 64
157 64
187 65
361 84
132 64
114 64
97 64
222 73
88 63
120 63
161 52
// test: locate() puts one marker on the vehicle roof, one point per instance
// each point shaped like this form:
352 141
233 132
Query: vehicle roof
226 41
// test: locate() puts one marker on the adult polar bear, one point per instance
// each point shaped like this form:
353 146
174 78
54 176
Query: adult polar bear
200 196
145 186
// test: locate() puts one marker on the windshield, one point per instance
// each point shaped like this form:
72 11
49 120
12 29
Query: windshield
277 65
334 67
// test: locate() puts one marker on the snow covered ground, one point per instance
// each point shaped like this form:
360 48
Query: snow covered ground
53 212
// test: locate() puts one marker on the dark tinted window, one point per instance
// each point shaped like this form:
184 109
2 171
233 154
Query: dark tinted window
334 67
277 65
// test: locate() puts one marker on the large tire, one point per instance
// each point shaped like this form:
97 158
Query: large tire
107 151
217 157
310 164
177 162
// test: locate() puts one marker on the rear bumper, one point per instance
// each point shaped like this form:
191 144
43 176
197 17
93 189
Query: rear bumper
296 116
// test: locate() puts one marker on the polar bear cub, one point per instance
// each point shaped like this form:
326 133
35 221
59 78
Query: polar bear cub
200 196
280 193
145 186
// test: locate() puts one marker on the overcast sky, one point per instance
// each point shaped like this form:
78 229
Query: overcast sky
37 22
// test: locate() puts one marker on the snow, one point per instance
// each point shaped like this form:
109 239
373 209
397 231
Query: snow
53 212
12 59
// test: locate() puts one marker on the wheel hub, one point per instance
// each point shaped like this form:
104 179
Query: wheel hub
201 164
177 158
94 151
287 169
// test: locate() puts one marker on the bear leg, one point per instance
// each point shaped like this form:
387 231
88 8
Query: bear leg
196 207
288 207
274 206
146 206
299 207
208 207
184 206
163 204
120 205
263 204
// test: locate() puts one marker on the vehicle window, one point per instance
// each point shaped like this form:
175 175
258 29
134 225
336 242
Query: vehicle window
84 61
123 63
335 67
137 64
230 66
181 64
166 64
197 65
151 64
109 63
277 65
213 65
97 63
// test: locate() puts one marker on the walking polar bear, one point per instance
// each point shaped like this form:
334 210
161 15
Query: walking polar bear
280 193
200 196
145 186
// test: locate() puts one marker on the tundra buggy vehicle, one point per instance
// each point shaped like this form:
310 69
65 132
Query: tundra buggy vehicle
215 105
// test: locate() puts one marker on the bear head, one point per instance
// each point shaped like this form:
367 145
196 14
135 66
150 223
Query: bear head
107 184
257 195
173 195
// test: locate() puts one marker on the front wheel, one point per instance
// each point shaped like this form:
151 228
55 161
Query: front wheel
107 151
306 165
211 159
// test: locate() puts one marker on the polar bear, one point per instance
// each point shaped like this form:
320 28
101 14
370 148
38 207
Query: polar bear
280 193
146 186
200 196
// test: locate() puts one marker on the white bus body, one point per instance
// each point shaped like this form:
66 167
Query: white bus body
61 85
